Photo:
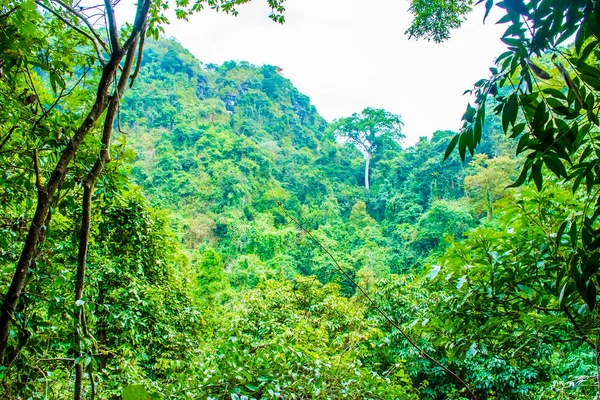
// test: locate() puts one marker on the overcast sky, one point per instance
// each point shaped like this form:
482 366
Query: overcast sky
349 54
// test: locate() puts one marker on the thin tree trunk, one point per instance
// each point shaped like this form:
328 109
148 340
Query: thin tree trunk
367 163
88 190
47 192
79 282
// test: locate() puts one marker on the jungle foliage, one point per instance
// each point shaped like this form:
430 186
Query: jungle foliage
204 233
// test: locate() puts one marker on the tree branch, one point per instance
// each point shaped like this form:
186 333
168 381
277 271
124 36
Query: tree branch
76 29
9 12
57 359
88 191
92 384
113 30
86 21
55 181
36 166
578 328
140 54
8 135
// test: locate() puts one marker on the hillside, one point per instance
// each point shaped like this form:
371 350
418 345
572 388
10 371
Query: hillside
207 235
222 146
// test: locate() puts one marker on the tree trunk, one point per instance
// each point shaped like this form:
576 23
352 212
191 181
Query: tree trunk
36 228
367 163
80 328
47 192
79 283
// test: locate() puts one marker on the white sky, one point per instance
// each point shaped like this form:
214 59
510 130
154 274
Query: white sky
350 54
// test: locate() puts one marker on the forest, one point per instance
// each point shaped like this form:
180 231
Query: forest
171 229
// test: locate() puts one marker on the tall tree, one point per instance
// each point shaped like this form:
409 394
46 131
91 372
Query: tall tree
547 92
487 185
548 97
38 50
369 131
50 182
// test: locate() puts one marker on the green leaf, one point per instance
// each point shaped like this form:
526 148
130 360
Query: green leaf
509 113
462 145
589 182
555 165
488 7
522 144
461 281
505 19
560 232
583 55
138 392
554 93
566 34
540 117
526 289
477 128
565 292
28 5
522 177
580 38
536 174
591 266
435 269
577 181
587 236
451 146
590 295
587 69
516 6
517 130
469 114
503 56
573 234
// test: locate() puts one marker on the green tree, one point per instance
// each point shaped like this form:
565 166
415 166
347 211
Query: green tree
300 338
506 283
489 182
433 20
210 276
52 50
370 130
547 97
442 223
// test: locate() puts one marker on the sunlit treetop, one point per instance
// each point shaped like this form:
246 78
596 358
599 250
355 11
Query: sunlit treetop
433 20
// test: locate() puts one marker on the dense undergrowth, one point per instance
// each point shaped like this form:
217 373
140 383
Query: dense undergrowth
233 224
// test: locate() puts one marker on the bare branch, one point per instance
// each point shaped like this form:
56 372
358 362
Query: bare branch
140 54
86 21
8 13
77 29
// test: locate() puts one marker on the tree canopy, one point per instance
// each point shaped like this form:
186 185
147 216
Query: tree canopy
546 95
184 230
370 131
